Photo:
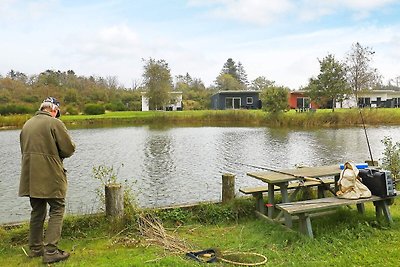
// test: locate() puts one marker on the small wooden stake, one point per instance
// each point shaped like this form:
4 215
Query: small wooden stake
228 187
114 195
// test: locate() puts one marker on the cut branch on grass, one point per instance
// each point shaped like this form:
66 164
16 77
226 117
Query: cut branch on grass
154 232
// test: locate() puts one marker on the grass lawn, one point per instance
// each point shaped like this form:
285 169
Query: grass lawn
345 238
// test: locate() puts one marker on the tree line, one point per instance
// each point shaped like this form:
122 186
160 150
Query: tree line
337 80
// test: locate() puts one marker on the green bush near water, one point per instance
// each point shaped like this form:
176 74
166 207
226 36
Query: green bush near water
94 109
16 109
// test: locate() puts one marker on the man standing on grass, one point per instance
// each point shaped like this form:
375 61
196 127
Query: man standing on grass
45 142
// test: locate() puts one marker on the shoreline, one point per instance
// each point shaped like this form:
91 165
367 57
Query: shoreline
255 118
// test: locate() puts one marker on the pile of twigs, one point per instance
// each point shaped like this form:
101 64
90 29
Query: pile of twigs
154 232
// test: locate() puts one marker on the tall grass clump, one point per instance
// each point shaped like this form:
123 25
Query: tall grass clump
108 176
291 118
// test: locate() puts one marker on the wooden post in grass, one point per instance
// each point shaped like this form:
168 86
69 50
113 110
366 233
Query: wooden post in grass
228 187
114 198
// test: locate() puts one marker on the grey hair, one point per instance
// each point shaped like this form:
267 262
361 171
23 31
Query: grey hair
48 105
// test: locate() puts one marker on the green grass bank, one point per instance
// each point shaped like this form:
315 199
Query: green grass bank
319 118
345 238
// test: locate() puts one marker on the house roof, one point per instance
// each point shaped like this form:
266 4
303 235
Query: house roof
237 92
391 93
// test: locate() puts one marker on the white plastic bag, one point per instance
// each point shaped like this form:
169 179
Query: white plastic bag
350 186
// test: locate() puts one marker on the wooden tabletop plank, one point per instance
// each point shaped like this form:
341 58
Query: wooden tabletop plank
296 174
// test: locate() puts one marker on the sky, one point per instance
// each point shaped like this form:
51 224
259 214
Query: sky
281 40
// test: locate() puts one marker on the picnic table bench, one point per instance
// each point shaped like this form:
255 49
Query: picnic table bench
257 192
303 209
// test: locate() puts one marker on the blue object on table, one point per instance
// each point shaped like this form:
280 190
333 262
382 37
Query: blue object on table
358 165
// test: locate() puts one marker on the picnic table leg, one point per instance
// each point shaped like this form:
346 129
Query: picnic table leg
321 191
305 225
336 186
386 212
271 200
285 199
381 207
378 210
259 202
361 208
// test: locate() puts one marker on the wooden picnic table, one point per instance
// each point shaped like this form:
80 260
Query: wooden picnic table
282 178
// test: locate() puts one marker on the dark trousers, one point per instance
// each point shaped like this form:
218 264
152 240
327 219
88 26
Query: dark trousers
38 216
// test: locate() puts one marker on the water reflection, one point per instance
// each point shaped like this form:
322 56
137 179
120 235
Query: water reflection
167 166
159 165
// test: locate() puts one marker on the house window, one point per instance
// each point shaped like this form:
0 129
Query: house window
364 102
249 100
232 102
303 102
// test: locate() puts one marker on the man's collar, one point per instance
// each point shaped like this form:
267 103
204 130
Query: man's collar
42 112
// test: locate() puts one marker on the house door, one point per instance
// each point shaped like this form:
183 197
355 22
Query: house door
232 102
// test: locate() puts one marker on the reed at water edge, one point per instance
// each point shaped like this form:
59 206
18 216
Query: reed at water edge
319 118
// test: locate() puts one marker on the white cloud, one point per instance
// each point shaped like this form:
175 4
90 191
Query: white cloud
253 11
313 9
263 12
17 10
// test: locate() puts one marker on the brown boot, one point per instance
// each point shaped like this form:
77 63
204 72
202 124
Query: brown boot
33 253
55 256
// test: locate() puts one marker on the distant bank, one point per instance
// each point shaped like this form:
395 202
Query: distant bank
318 118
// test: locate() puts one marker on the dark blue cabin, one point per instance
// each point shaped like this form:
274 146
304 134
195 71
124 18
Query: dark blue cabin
236 100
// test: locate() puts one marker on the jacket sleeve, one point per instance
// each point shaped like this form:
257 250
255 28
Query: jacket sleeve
65 145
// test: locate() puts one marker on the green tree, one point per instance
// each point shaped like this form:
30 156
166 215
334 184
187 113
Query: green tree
330 85
195 95
261 83
71 96
17 76
360 74
183 82
232 76
230 68
157 82
242 74
226 82
275 99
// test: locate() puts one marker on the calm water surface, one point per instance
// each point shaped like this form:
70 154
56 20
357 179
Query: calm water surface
182 165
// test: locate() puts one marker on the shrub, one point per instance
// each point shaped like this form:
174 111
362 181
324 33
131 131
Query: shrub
192 105
30 99
116 106
71 110
275 99
391 156
15 109
94 109
177 215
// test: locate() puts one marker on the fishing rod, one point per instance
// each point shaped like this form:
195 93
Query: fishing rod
366 136
269 169
291 174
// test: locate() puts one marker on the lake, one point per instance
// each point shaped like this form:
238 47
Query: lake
183 165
